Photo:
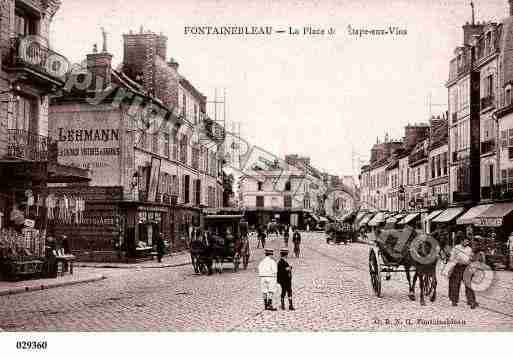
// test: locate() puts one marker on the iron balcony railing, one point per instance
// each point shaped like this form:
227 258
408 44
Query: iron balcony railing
31 52
27 145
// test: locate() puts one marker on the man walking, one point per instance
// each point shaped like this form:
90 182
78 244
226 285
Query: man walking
461 255
286 235
285 278
296 239
261 237
160 247
267 270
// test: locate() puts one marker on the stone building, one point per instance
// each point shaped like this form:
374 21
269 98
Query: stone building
143 131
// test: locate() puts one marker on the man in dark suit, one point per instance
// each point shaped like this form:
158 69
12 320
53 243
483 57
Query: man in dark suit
284 278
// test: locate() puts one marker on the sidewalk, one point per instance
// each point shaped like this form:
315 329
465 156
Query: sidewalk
174 260
78 277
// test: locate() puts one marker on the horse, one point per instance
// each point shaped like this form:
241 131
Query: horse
411 249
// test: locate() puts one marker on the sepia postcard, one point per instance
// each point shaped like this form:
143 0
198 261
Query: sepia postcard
255 166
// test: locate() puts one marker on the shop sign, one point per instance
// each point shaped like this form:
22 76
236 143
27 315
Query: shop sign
488 222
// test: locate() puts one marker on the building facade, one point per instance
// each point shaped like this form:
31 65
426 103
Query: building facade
151 149
28 155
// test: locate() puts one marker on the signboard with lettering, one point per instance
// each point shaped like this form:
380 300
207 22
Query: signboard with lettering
488 222
90 139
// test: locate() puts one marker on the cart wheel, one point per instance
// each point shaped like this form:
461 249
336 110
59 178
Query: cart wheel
375 273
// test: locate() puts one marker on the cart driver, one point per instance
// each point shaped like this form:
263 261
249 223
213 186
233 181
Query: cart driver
267 270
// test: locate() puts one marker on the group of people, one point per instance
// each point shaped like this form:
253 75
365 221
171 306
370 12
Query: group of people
287 233
271 273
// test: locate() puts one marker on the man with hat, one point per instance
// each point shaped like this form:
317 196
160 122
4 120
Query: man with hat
285 278
267 272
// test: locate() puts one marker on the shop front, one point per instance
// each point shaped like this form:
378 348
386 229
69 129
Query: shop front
492 235
445 224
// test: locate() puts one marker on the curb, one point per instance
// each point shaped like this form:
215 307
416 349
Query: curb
110 266
34 288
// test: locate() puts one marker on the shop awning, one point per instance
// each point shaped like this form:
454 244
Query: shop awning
359 216
409 218
433 214
377 219
315 217
366 219
468 218
392 218
494 216
323 219
448 215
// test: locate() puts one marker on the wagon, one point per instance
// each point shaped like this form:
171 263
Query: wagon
385 259
220 243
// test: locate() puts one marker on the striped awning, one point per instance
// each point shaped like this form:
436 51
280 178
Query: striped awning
378 219
409 218
433 214
468 218
448 215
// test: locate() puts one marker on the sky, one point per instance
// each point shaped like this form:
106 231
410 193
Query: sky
323 96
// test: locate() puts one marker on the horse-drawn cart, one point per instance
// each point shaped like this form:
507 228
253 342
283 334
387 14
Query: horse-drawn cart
410 249
219 243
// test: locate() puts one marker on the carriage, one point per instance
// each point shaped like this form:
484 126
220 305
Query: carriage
340 233
389 255
219 243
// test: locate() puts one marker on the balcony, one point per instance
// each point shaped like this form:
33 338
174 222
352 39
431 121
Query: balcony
42 65
28 146
487 146
417 157
486 102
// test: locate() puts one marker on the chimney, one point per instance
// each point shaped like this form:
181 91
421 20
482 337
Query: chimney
99 65
162 46
471 30
172 62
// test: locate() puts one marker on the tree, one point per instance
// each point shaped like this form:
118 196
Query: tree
227 188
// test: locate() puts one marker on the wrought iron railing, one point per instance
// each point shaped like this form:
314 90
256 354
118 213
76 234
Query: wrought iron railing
31 52
27 145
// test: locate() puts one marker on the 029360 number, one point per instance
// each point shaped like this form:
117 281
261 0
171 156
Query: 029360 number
31 345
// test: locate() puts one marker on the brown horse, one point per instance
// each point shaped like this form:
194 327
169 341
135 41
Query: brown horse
413 249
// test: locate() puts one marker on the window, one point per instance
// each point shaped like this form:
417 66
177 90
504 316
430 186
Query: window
444 163
287 201
287 186
155 143
259 201
195 158
508 96
195 113
26 119
488 86
186 180
25 24
510 153
174 138
184 106
197 192
260 186
183 149
432 167
166 144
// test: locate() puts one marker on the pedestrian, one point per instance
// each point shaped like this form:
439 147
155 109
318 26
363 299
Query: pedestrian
286 236
296 239
285 278
461 256
267 270
261 238
245 251
160 247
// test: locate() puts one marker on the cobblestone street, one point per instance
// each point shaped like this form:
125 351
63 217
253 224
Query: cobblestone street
331 291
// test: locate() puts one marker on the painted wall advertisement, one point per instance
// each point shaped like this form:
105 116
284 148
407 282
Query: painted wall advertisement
91 140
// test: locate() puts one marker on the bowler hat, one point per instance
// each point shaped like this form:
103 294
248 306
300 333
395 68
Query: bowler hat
269 251
284 251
